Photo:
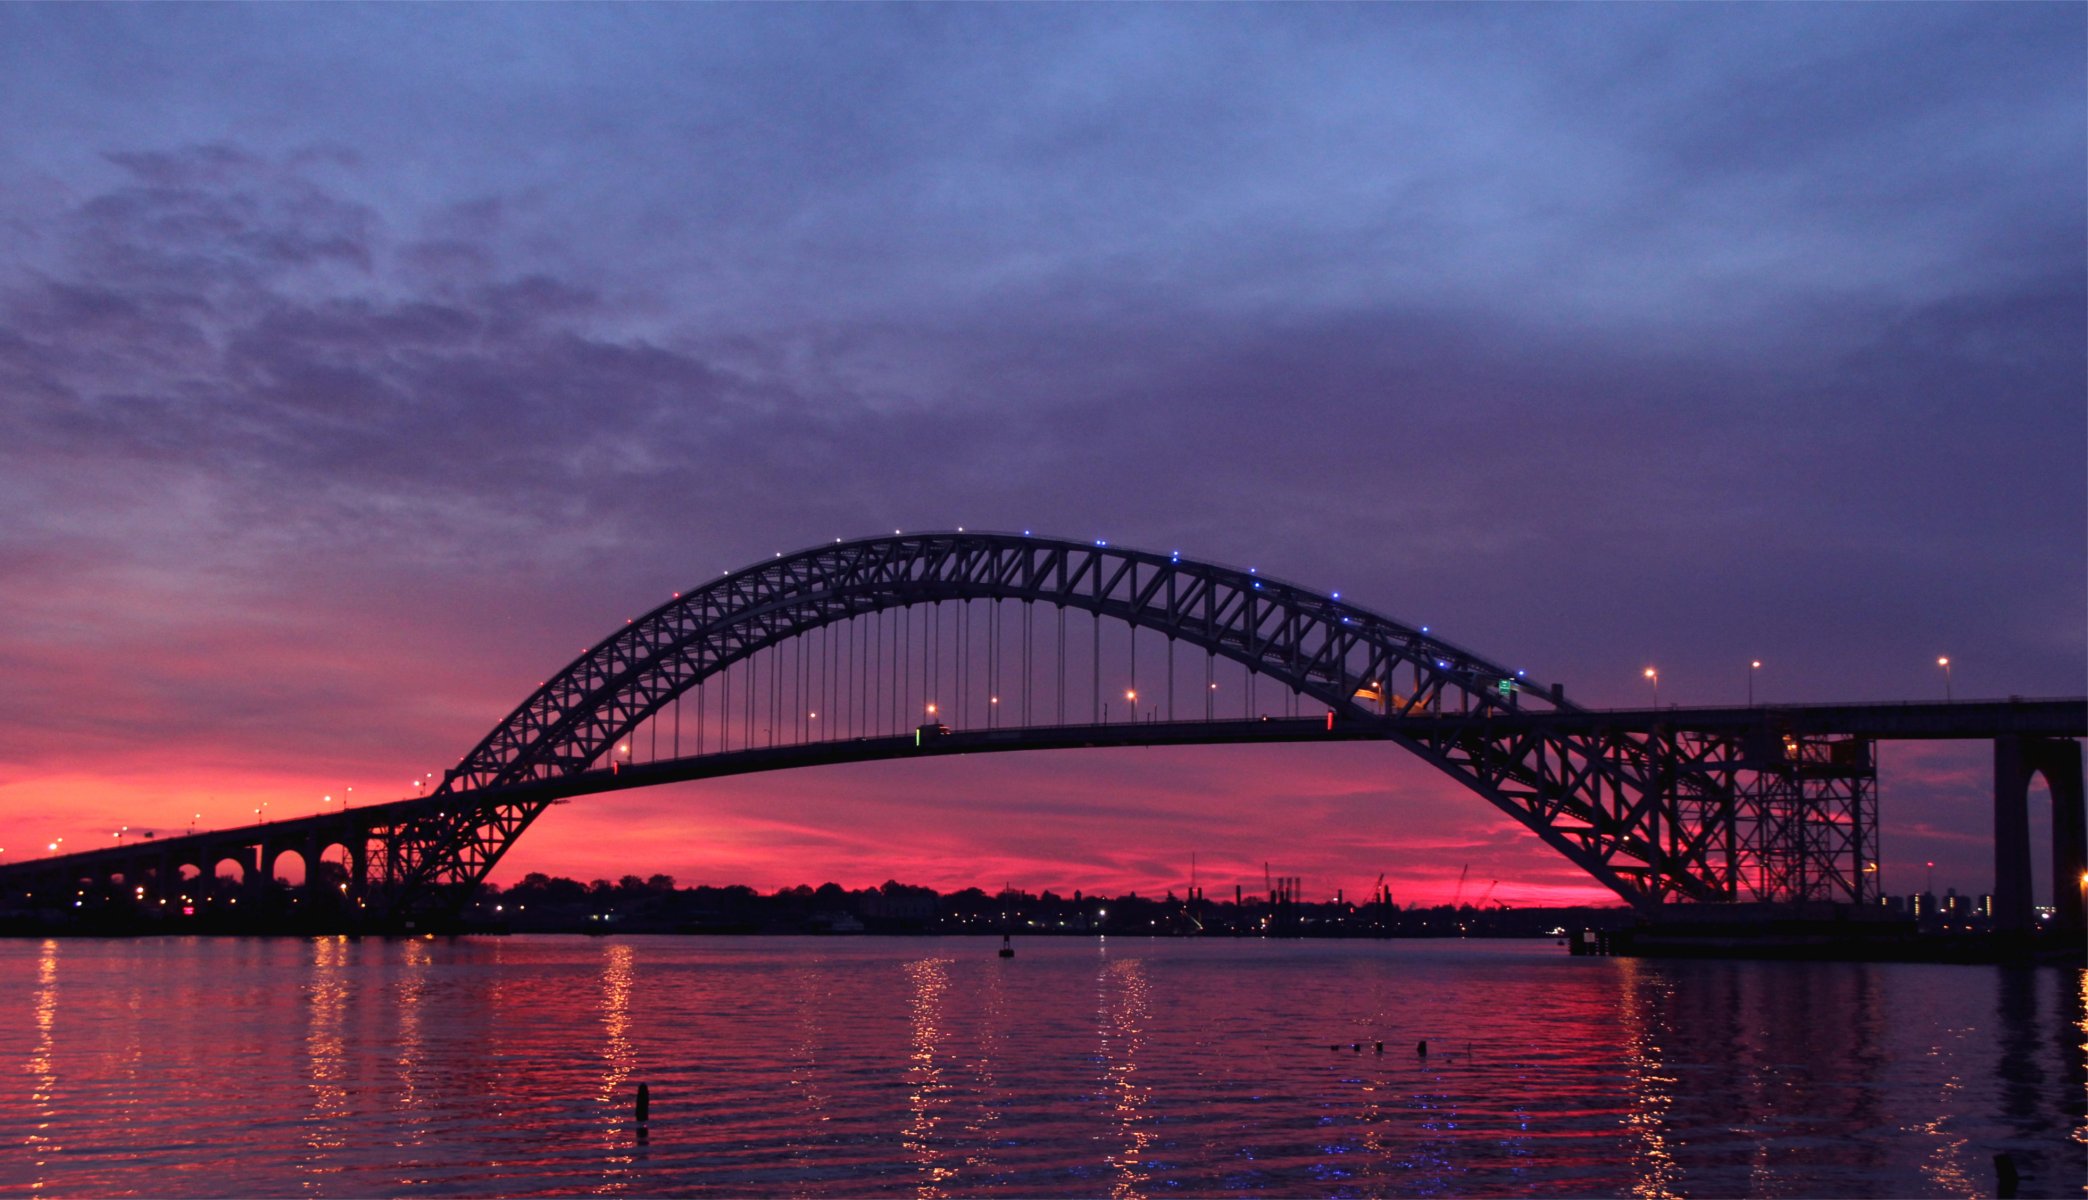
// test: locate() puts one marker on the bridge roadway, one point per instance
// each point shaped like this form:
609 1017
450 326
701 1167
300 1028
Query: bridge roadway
2067 718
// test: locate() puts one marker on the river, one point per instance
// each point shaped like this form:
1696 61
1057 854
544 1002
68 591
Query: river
931 1067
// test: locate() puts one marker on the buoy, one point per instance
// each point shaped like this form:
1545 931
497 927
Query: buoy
1356 1046
1421 1048
644 1105
1381 1047
1007 950
2008 1182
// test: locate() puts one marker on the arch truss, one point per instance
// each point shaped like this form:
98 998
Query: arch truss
1652 813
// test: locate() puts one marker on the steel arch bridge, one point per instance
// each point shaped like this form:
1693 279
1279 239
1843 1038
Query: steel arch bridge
927 644
1652 815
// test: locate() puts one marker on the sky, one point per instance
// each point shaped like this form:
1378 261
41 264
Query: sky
359 363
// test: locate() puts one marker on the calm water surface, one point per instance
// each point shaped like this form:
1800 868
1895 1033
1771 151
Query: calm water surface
833 1067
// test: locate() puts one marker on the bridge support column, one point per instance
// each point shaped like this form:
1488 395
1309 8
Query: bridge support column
2017 760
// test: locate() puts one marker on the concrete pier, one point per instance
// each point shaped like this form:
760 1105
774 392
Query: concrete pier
2017 760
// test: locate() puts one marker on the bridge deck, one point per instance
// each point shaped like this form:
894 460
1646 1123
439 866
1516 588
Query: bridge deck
2066 718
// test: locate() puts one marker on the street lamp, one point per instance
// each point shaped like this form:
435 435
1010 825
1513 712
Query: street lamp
1653 673
1752 666
1944 663
1131 705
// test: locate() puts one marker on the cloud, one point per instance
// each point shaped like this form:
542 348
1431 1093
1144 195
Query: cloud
348 392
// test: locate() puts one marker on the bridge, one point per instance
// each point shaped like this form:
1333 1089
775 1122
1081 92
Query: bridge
963 642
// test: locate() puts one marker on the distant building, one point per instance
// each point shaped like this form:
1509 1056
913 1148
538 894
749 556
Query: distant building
898 906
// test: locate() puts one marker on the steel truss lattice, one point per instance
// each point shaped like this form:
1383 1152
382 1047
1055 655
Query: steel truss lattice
1653 815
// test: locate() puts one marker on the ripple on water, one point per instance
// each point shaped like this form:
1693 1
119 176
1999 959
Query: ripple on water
823 1067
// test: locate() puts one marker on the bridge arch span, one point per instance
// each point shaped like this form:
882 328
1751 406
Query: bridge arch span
1582 795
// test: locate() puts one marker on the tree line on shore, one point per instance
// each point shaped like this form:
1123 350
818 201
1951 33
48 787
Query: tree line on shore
544 903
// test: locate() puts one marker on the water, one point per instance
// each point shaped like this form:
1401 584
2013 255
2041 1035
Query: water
824 1067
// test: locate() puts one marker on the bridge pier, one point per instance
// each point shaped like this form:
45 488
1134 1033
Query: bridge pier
2017 760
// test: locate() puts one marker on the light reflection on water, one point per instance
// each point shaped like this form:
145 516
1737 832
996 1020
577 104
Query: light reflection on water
822 1067
1121 1035
927 980
1652 1089
326 1069
42 1064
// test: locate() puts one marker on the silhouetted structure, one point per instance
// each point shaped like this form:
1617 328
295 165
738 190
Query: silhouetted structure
838 653
2018 759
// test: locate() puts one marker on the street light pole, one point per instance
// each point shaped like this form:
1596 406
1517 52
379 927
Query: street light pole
1653 673
1752 666
1944 663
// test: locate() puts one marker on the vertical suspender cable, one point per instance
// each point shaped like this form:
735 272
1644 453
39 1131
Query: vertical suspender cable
1170 676
1062 664
1095 627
